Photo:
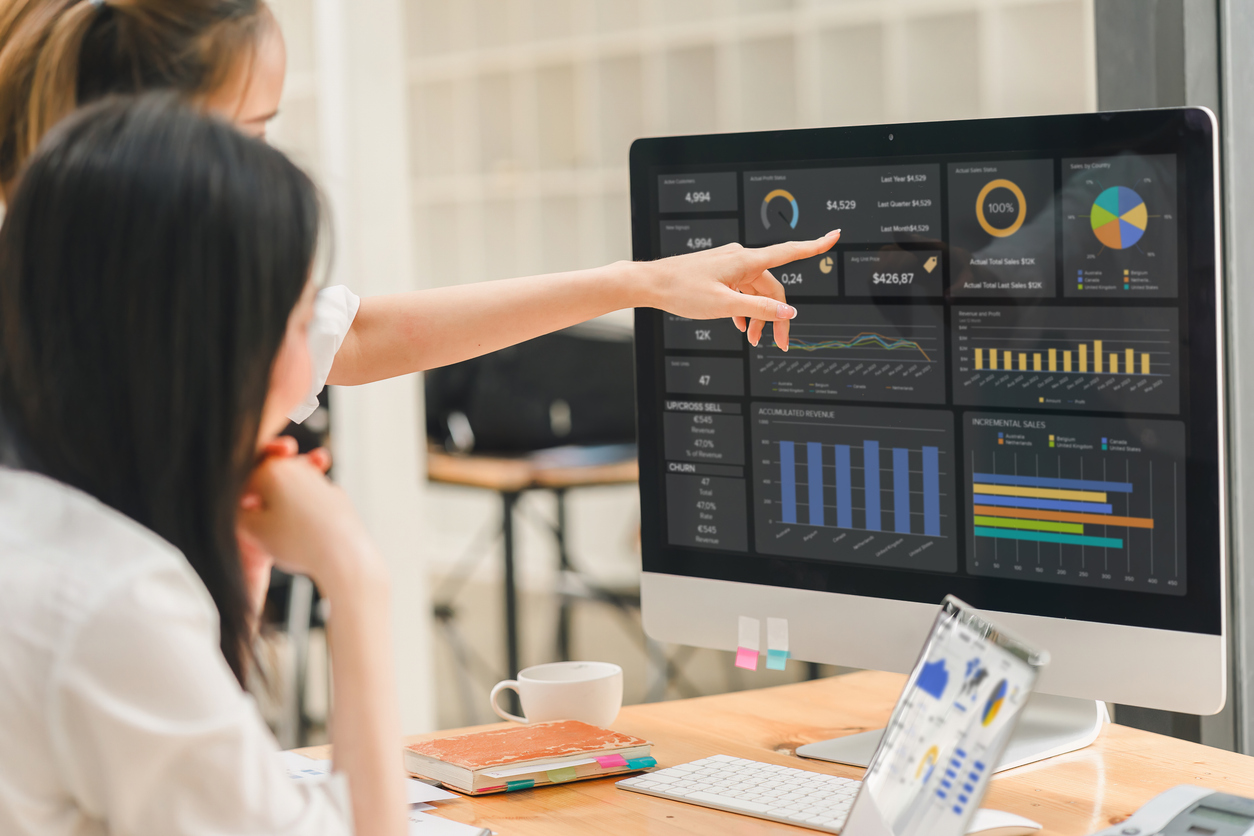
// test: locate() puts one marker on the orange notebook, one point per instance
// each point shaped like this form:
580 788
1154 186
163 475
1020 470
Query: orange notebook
522 757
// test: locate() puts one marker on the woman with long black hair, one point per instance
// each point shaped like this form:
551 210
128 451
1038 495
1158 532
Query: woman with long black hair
155 296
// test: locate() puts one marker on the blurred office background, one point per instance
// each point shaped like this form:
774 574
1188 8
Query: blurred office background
468 140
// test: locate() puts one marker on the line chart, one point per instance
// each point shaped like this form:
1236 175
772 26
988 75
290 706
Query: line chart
865 338
856 353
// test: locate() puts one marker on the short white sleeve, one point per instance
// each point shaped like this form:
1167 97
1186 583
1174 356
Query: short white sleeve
154 736
334 312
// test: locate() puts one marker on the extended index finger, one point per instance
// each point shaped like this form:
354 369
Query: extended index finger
789 251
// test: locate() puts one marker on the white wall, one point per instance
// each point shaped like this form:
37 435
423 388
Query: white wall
347 122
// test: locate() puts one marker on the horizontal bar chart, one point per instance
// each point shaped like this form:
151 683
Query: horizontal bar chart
1080 501
1063 516
1041 493
1032 525
1050 537
1049 509
1042 504
1046 482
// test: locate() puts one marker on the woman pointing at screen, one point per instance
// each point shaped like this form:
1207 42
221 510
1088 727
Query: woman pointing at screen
228 56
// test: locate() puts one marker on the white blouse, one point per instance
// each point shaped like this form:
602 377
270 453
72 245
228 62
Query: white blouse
334 311
118 713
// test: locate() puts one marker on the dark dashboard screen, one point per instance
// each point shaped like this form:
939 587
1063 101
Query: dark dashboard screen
1002 382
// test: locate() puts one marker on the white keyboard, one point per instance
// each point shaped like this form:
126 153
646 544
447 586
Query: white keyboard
764 790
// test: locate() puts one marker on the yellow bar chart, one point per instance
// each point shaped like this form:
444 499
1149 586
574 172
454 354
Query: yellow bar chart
1103 363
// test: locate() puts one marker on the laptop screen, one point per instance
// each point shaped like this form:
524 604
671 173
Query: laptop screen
948 730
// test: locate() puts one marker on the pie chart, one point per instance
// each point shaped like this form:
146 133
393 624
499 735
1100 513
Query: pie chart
1119 216
993 706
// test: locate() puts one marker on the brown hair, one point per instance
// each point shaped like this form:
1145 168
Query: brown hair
56 55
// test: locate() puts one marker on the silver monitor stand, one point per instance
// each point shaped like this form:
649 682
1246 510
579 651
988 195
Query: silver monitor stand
1050 726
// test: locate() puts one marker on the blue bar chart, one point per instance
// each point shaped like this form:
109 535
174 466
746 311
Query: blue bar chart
855 484
816 471
1079 501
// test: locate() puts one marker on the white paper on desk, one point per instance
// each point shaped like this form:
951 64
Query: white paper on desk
420 808
301 768
420 791
422 824
538 767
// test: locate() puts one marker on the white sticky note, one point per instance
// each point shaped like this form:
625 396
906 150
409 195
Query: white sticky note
750 633
420 791
777 634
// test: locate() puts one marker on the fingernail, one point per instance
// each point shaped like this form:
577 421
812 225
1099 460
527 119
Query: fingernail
250 502
785 311
833 232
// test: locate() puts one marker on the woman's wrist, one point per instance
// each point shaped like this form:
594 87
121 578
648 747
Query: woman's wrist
353 572
634 284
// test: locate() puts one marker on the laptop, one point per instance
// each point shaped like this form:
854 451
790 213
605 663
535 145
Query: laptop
947 732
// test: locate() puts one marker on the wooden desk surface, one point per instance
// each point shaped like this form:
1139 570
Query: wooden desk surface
1071 795
515 474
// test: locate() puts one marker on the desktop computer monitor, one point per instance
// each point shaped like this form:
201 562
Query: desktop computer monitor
1005 382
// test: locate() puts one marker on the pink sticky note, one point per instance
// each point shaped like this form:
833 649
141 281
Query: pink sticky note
747 658
611 761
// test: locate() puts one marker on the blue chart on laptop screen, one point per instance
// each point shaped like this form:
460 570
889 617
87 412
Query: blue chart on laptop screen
947 733
987 378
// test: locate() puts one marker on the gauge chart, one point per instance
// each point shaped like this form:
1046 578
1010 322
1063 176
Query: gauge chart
784 211
1105 359
1082 501
1119 226
855 352
855 484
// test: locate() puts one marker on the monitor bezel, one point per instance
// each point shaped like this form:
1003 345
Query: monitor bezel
1188 132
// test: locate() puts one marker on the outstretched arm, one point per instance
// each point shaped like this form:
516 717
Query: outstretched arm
408 332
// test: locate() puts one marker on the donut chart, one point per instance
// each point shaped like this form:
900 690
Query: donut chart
1119 217
993 706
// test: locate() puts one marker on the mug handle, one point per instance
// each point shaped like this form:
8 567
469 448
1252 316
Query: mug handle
511 684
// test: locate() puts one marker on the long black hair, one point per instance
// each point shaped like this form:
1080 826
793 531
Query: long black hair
149 262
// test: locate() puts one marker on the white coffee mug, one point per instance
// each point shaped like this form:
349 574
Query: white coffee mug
587 691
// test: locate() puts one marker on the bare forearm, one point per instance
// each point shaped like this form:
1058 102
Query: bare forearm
365 721
408 332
